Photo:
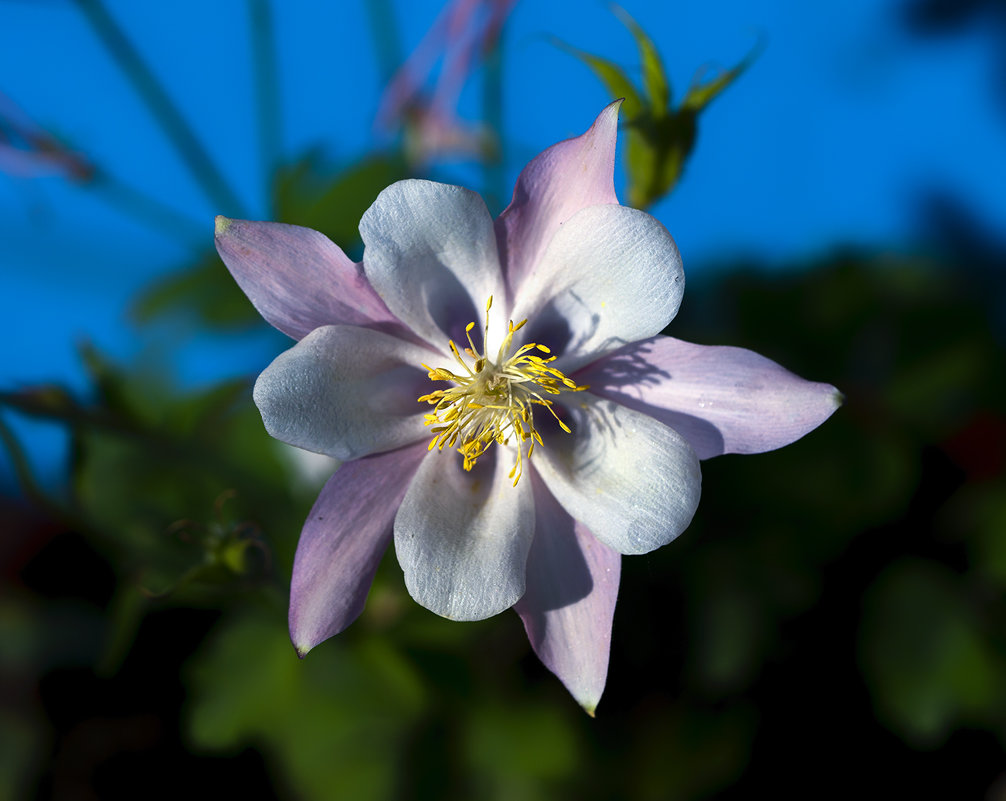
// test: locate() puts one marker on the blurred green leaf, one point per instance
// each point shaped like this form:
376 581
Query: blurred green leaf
520 751
728 636
925 656
657 149
687 753
204 292
331 725
976 516
618 84
702 91
307 193
988 543
21 752
153 467
658 89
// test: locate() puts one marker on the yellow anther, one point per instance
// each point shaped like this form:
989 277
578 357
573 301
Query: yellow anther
493 401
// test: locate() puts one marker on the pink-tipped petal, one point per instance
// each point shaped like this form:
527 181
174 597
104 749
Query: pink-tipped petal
343 539
556 184
569 603
297 278
721 399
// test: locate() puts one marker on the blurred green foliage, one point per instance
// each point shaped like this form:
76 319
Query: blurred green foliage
929 655
329 723
931 643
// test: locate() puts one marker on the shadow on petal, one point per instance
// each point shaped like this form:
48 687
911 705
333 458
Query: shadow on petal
572 585
556 567
550 328
451 307
624 368
622 376
721 399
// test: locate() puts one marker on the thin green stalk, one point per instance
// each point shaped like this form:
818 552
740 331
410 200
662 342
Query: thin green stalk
23 471
384 33
148 209
263 45
492 112
128 58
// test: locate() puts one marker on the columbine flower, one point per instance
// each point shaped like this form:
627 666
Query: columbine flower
501 398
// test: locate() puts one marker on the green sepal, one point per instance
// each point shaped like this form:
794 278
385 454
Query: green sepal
655 82
660 138
611 75
701 93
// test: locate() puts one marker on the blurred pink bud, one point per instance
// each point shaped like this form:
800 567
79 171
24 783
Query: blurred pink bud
29 151
426 106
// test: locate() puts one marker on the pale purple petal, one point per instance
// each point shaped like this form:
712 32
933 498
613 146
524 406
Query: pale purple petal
462 537
556 184
430 252
610 276
721 399
343 539
298 279
346 392
569 604
632 481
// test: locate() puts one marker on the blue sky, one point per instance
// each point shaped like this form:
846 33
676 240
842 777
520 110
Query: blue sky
832 138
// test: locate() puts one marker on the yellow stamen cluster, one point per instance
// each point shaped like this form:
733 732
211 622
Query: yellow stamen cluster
492 402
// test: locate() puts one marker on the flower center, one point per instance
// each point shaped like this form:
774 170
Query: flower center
494 401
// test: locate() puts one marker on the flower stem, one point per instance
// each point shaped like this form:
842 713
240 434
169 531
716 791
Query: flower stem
492 111
128 58
263 47
23 472
384 32
143 207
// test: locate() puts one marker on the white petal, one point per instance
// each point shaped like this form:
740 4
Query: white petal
632 481
430 252
346 392
611 275
462 537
